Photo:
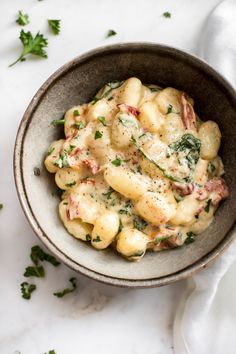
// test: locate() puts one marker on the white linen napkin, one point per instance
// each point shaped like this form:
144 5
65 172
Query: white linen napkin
205 321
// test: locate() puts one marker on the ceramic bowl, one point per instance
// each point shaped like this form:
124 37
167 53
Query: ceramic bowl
77 82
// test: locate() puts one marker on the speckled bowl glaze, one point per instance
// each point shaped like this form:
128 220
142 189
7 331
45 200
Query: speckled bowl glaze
77 82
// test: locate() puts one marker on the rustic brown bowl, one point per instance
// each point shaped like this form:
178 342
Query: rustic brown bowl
77 82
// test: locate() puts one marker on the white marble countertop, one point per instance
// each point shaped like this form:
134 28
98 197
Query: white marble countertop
96 318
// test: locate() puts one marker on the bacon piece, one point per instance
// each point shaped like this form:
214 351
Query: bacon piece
218 189
188 115
129 109
72 211
183 188
92 165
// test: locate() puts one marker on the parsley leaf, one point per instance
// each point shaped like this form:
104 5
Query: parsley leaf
1 206
37 271
62 160
50 150
121 226
97 239
88 237
108 193
97 135
80 125
37 254
76 113
116 162
169 109
207 207
190 238
70 184
126 209
27 289
32 45
102 120
166 14
22 19
55 26
111 33
211 167
50 351
67 290
58 122
139 223
137 254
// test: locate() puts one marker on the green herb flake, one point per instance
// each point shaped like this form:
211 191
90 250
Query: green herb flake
76 113
211 167
111 33
108 193
67 290
126 209
37 271
50 150
139 223
55 26
36 171
190 238
97 239
80 125
88 237
97 135
102 120
27 289
70 184
137 254
121 226
62 160
58 122
169 109
50 351
1 206
22 19
207 207
117 162
32 45
167 14
126 122
37 254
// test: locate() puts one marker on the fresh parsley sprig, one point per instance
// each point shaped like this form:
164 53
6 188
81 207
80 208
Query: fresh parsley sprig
22 19
55 26
34 271
27 289
32 45
67 290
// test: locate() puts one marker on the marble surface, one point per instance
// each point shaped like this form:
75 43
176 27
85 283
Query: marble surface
96 318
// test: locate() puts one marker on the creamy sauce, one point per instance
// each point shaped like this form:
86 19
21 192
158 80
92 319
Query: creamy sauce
140 171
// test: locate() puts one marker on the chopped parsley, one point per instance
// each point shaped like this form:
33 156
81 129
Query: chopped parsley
137 254
97 135
207 207
139 223
50 150
55 26
71 184
111 33
169 109
102 120
211 167
37 254
27 289
161 238
32 45
108 193
67 290
190 238
88 237
117 162
97 239
22 19
62 160
76 113
126 209
111 86
80 125
50 351
37 271
58 122
167 14
121 226
1 206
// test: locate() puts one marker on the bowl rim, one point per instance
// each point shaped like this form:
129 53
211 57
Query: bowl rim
19 179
